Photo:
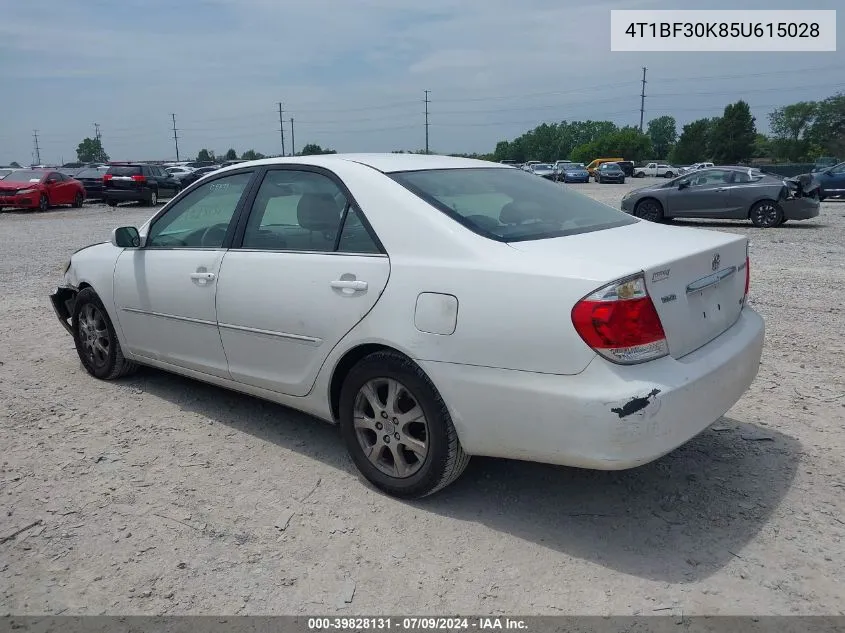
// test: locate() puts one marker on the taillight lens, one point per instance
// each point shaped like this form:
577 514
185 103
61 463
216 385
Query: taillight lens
619 321
139 178
107 177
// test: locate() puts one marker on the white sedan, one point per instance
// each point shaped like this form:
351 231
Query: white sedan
434 307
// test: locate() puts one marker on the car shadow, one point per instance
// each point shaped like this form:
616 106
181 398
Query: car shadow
678 519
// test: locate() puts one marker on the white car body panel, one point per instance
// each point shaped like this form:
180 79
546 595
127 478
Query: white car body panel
166 313
517 378
282 305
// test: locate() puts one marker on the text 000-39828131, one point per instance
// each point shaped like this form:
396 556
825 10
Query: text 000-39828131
723 30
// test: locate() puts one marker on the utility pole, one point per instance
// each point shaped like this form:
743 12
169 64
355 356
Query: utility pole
37 149
426 119
282 128
175 137
642 100
97 131
292 141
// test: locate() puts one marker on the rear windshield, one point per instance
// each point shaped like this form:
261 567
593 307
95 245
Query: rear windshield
510 205
125 170
89 173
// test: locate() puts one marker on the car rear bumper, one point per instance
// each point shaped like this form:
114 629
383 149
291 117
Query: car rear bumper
125 195
613 179
800 208
609 417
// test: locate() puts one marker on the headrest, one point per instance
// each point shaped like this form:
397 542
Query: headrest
318 212
511 213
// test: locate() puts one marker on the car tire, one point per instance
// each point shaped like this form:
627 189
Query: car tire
78 201
650 210
95 338
152 199
43 203
623 181
395 382
111 203
669 174
765 214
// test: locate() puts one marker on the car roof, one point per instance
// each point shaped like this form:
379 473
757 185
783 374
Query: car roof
387 163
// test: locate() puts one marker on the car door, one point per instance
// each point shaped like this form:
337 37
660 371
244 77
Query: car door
56 188
707 194
169 181
164 292
307 269
833 181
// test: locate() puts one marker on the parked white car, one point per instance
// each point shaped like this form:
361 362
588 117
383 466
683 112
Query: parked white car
434 307
696 167
656 170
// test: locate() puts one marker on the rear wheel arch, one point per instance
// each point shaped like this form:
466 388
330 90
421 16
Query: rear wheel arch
341 370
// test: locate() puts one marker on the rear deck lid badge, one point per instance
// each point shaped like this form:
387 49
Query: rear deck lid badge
660 275
716 261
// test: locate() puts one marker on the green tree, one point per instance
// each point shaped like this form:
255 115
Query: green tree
91 150
15 164
663 134
693 142
312 149
762 147
790 125
732 138
827 132
251 154
231 154
205 155
628 143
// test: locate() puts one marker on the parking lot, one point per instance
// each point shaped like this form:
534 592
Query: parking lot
158 494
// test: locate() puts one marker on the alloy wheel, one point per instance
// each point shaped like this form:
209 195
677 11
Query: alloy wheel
94 335
391 427
766 214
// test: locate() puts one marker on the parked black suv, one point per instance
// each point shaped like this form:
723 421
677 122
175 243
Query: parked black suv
130 182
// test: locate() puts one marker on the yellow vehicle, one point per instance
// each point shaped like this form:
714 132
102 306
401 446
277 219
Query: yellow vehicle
591 168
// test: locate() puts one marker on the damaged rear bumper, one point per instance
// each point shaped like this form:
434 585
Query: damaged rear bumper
62 301
608 417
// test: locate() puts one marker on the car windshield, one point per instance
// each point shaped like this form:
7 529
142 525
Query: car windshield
509 205
89 173
128 170
25 175
574 167
543 166
610 167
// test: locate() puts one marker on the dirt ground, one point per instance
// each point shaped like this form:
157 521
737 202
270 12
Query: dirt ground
160 495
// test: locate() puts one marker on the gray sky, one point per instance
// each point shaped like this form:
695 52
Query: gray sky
352 73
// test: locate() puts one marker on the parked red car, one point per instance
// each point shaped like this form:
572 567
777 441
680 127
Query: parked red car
40 189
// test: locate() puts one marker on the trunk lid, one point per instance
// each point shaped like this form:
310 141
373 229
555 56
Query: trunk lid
695 277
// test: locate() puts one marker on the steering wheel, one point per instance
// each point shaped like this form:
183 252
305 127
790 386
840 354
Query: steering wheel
218 231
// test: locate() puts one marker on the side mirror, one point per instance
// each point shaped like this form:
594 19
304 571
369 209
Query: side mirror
126 237
683 184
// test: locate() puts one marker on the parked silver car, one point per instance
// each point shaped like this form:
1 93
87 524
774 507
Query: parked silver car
736 193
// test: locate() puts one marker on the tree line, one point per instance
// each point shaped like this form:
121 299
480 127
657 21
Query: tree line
800 132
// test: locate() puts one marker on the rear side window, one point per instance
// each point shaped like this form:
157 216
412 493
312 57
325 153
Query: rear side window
89 173
125 170
510 205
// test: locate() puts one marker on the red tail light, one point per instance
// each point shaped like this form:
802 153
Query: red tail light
747 274
139 178
107 177
620 322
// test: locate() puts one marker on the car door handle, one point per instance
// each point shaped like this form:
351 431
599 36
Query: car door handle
203 276
351 284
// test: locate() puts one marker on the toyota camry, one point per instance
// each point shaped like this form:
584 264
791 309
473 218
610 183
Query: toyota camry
434 307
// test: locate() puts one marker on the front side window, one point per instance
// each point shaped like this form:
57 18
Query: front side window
200 219
711 177
509 205
304 211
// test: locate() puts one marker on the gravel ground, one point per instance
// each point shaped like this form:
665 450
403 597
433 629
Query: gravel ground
157 494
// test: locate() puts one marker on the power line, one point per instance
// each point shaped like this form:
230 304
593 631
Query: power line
642 100
282 128
175 137
426 119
